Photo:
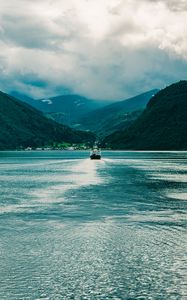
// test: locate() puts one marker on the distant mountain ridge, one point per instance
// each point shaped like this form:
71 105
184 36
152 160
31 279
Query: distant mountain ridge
23 125
116 115
65 109
162 126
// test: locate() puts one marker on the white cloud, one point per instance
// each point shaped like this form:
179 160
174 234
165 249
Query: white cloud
101 49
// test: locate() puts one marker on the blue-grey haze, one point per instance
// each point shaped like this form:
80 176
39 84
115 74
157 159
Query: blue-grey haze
72 228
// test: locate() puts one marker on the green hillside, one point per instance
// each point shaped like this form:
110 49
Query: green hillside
65 109
162 126
23 125
115 116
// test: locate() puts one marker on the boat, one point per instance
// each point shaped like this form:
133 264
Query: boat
95 153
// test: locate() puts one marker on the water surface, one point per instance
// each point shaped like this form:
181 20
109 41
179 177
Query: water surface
72 228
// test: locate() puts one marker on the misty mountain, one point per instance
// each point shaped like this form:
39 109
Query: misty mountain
162 126
115 116
23 125
65 109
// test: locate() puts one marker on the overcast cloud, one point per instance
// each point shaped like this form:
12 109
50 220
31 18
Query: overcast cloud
108 49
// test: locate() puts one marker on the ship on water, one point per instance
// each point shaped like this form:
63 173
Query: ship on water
95 153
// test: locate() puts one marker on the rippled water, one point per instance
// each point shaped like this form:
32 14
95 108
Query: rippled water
72 228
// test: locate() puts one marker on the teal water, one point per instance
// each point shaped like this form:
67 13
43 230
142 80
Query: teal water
72 228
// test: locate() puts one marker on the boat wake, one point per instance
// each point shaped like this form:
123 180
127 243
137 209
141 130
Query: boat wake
74 176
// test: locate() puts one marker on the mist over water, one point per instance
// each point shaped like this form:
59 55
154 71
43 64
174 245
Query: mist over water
73 228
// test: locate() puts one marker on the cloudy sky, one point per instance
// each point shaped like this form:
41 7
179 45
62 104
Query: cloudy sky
104 49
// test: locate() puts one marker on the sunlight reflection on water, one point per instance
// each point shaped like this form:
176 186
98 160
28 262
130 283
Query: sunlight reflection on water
82 229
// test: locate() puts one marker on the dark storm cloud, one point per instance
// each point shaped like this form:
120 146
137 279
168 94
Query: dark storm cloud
110 49
25 32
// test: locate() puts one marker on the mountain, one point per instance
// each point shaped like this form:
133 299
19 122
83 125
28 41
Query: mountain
117 115
23 125
65 109
22 97
162 126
